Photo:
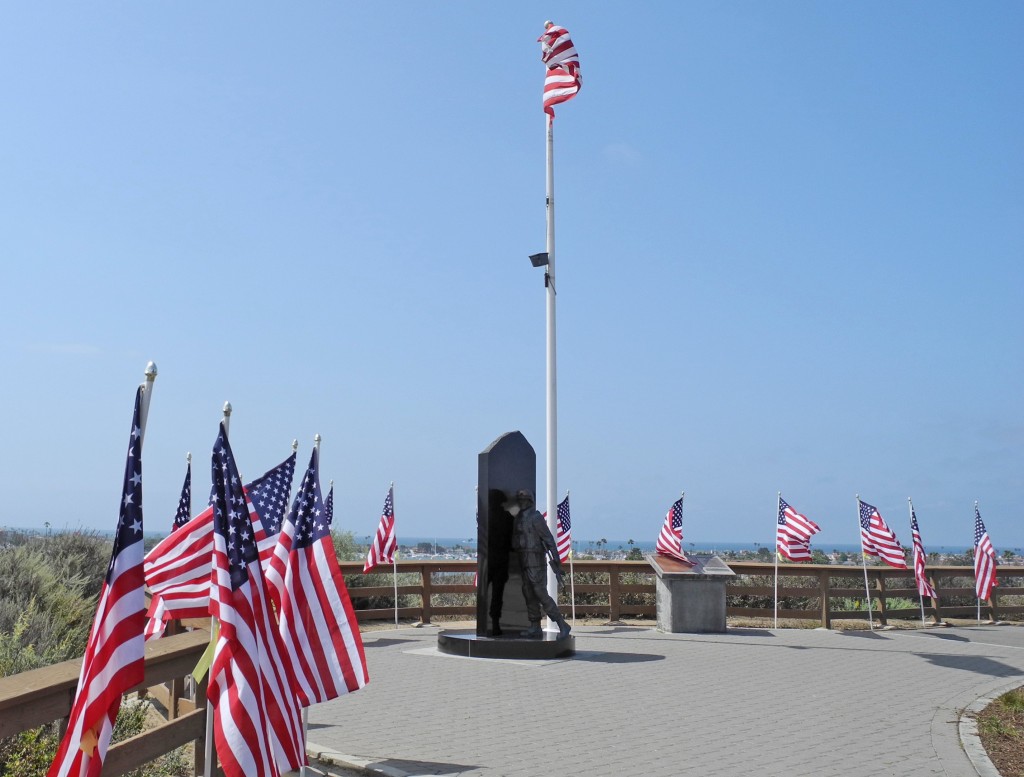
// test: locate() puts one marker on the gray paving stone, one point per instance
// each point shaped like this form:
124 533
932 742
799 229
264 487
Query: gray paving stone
635 701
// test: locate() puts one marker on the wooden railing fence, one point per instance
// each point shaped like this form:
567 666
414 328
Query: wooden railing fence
433 590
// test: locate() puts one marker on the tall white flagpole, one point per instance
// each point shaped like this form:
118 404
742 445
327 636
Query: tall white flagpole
552 382
864 563
147 396
778 507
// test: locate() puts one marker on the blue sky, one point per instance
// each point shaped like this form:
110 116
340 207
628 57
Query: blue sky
789 257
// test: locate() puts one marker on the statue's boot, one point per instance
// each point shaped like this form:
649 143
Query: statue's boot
563 627
533 631
496 628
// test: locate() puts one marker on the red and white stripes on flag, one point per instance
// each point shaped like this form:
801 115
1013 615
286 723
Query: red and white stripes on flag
385 542
920 574
318 624
563 79
877 539
115 654
563 530
257 727
670 541
984 559
793 533
178 567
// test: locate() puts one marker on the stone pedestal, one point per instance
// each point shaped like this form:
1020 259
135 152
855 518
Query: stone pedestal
691 597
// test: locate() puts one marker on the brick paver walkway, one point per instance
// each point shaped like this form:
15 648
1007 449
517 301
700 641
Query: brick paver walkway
635 701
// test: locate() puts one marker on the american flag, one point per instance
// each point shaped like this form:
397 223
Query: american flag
670 541
793 533
563 533
984 559
257 727
920 575
184 511
270 494
114 655
382 551
877 539
563 78
178 568
329 506
318 625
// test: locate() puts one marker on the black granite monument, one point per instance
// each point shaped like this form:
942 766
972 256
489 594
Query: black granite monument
508 465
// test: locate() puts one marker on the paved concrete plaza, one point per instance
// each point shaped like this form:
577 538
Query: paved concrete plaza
635 701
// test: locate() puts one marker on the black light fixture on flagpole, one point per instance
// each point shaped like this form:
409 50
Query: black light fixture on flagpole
539 260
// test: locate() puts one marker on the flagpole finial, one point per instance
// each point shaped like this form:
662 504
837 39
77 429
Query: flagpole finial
316 441
150 372
227 409
295 446
332 483
188 457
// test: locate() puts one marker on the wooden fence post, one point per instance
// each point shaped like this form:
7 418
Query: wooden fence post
614 596
823 591
880 587
427 591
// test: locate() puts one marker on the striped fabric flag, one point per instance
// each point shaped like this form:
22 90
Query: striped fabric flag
670 541
184 511
563 530
257 727
382 551
318 624
793 533
114 655
563 79
329 506
178 568
877 539
920 575
984 559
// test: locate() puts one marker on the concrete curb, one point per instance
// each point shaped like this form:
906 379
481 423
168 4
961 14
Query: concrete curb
325 756
968 726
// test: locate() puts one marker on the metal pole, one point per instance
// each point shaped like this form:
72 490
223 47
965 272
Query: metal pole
864 563
552 382
778 507
208 750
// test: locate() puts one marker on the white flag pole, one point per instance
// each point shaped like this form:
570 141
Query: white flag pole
778 508
147 395
394 556
920 596
552 382
188 463
864 563
208 751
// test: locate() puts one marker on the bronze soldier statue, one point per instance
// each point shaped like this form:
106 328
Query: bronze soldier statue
532 539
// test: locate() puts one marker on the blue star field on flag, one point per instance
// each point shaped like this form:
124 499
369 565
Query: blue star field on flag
308 512
183 513
230 516
129 523
270 494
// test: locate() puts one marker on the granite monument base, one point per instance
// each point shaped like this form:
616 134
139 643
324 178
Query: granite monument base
472 645
690 598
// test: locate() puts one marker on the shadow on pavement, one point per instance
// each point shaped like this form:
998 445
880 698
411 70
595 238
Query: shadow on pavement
420 767
976 664
616 658
387 642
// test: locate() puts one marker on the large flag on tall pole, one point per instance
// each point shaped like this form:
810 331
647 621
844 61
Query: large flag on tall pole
877 539
670 540
382 550
984 559
793 533
563 79
178 567
256 722
924 588
114 658
318 623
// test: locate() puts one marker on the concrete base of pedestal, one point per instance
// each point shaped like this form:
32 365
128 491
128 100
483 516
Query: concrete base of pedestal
691 597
